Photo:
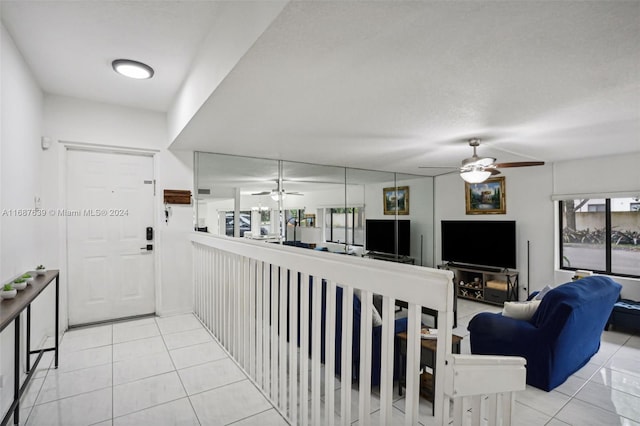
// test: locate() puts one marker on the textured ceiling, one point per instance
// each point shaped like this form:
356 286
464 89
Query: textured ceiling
377 85
397 85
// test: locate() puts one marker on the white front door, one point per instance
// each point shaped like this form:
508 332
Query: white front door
109 207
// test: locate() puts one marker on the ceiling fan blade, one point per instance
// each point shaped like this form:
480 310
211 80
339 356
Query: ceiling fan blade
293 193
520 164
262 193
493 171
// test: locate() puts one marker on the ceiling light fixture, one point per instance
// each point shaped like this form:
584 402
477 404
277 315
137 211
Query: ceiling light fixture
475 174
275 195
132 69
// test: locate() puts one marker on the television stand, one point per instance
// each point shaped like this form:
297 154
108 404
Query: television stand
391 257
483 284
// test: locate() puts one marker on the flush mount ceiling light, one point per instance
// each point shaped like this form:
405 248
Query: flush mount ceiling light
132 69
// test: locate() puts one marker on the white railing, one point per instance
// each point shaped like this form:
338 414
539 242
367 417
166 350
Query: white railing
483 388
246 293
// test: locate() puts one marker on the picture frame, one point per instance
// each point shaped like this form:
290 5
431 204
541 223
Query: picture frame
395 200
488 197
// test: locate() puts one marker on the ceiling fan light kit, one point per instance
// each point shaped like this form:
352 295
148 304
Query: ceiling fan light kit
478 169
275 195
475 175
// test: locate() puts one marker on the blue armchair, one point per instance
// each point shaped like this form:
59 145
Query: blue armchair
560 338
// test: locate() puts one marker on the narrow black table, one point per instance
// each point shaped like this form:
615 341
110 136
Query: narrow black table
10 310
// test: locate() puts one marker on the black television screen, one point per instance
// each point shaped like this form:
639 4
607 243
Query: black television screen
484 243
381 236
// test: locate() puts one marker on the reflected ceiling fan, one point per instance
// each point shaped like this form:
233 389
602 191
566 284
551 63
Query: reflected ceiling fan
277 193
478 169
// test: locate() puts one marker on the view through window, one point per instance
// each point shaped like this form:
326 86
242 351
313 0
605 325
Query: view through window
344 225
601 235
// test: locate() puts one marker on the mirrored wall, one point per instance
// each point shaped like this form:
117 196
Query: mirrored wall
342 210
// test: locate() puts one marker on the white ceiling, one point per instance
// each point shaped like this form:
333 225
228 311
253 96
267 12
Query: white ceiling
381 85
69 45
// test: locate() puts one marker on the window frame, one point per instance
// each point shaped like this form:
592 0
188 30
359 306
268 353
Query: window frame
607 243
348 225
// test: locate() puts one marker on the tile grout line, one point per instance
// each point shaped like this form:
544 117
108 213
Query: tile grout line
574 396
245 373
248 417
26 419
195 413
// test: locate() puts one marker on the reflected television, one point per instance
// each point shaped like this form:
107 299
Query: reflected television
381 235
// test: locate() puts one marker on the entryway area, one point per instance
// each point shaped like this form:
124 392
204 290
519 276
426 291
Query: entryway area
151 371
110 235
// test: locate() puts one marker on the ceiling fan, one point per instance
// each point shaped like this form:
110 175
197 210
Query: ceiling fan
478 169
276 194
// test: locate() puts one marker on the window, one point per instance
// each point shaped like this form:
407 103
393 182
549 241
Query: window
245 223
344 225
600 235
292 219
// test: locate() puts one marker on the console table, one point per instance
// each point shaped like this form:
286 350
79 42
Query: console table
10 310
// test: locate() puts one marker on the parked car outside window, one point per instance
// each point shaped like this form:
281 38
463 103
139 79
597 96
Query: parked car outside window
245 224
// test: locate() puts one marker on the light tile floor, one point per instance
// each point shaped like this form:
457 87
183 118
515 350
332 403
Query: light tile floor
151 371
170 371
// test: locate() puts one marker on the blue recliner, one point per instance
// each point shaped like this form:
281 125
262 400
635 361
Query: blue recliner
560 338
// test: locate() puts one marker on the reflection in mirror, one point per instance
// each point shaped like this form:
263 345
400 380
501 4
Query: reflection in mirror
234 196
382 215
419 193
310 189
364 204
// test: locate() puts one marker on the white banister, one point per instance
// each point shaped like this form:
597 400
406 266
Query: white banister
386 373
266 305
482 388
347 345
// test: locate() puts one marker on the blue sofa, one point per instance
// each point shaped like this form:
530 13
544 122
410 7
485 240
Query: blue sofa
560 338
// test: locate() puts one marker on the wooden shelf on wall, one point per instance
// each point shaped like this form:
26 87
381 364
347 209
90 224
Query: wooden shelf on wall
177 196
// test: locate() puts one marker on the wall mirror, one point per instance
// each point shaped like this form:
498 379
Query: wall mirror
379 214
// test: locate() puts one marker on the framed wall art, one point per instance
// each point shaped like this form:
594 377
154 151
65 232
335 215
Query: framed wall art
487 197
396 200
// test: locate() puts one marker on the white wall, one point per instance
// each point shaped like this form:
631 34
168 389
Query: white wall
237 27
529 202
22 243
420 213
74 120
602 175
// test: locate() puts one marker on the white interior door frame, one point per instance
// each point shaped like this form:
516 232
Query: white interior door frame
64 147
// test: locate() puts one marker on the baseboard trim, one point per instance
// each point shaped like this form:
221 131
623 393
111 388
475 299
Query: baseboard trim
111 321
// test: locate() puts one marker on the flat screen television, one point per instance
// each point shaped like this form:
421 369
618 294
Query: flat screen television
479 242
381 236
